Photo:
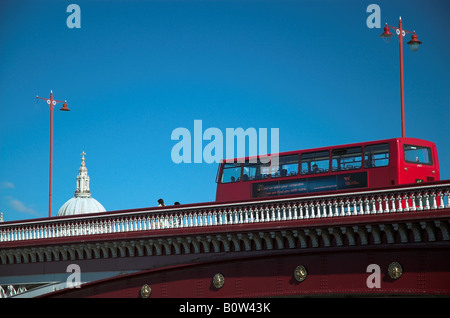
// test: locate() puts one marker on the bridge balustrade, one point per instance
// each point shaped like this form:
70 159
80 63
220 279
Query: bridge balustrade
407 199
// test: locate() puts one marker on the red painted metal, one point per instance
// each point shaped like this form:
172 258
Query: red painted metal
425 272
402 93
401 33
386 32
51 103
51 157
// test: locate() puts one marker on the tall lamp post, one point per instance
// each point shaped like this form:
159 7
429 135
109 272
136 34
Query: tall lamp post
51 103
414 46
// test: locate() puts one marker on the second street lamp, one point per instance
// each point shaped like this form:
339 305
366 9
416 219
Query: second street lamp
52 102
414 45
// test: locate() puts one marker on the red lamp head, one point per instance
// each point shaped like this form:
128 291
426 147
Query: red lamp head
65 108
386 35
414 43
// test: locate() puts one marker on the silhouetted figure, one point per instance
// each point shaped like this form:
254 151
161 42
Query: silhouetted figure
315 168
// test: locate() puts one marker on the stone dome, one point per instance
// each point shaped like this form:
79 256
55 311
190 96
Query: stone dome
82 202
80 206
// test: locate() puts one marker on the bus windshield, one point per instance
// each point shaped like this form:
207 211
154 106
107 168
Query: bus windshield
417 154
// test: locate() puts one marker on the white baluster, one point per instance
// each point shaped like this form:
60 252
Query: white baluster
176 221
209 218
300 212
427 201
114 225
347 203
392 199
406 198
283 213
386 205
256 214
307 214
219 218
330 209
336 209
191 221
413 202
272 214
205 218
366 206
341 208
251 215
226 216
400 203
295 217
319 207
373 209
441 199
147 223
179 220
420 207
261 212
197 219
355 210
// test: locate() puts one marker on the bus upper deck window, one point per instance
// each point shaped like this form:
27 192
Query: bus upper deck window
346 158
287 166
376 156
255 171
417 154
231 172
315 162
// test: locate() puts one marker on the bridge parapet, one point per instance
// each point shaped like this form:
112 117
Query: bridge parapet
408 199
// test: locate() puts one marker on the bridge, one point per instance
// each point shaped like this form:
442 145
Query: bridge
381 242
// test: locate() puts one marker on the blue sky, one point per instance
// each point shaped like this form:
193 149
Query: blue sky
137 70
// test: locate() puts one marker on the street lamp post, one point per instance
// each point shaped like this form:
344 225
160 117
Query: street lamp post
413 44
51 103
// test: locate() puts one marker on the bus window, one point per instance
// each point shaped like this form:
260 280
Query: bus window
315 162
376 156
287 166
346 159
231 172
417 154
255 171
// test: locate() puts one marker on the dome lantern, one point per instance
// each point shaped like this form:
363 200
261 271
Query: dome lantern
82 202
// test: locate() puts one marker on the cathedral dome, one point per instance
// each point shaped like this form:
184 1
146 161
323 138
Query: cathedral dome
82 202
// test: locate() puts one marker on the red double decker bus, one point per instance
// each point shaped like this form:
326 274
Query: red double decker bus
371 164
